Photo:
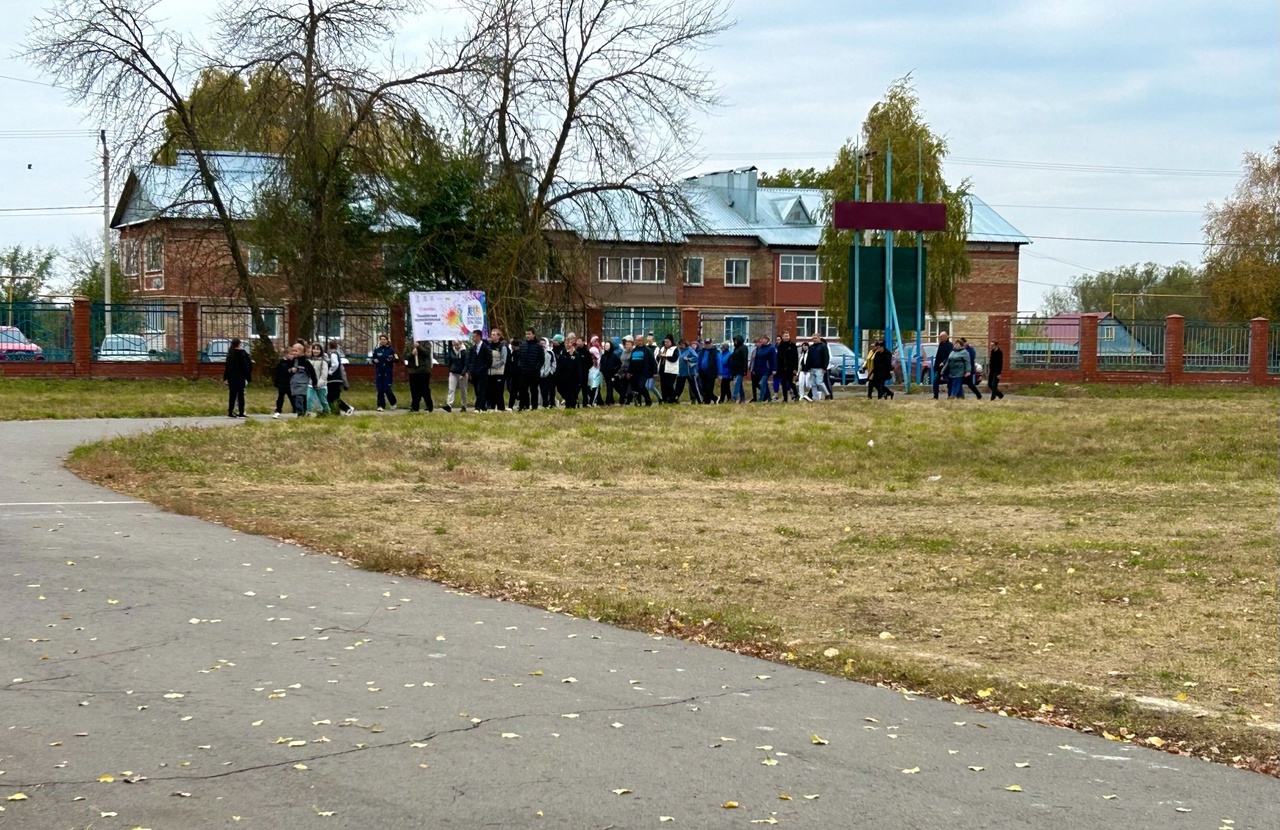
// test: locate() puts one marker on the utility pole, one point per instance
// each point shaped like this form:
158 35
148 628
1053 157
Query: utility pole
106 232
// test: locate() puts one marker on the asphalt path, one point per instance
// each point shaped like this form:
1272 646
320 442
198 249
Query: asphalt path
226 680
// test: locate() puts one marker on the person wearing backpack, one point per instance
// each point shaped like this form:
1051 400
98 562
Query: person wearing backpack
302 378
337 380
547 375
419 361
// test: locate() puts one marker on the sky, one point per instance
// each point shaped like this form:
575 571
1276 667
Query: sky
1165 97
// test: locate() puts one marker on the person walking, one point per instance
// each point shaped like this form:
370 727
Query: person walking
738 367
802 377
498 353
280 379
320 393
940 357
764 365
302 379
881 371
708 369
384 359
623 378
510 372
958 369
479 362
236 374
457 365
687 363
971 380
566 371
816 361
668 357
419 362
610 366
337 380
788 366
724 372
584 360
548 375
643 367
995 368
528 361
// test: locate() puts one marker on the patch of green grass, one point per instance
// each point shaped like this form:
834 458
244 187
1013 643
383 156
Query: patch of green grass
1145 392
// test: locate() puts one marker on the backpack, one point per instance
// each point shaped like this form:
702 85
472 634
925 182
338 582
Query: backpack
548 363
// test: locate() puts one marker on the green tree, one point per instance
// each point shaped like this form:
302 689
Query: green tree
810 177
1142 291
25 271
897 122
1242 243
83 272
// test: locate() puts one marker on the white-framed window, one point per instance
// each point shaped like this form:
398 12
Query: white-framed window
270 316
734 324
1107 331
153 282
155 254
808 322
737 273
936 326
633 269
544 275
693 271
129 257
799 268
330 325
259 264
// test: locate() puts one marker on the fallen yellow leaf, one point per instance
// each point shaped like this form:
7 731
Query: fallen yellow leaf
1014 788
976 769
911 771
1110 797
985 692
730 805
819 741
770 762
1156 742
622 791
106 778
784 797
17 797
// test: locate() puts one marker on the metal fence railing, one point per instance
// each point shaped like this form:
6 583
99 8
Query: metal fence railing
1273 349
1215 347
35 331
220 323
723 325
1131 347
356 328
136 332
1045 343
621 321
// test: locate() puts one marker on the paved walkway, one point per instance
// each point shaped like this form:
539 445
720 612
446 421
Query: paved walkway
238 682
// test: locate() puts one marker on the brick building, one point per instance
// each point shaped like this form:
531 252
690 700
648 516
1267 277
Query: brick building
749 266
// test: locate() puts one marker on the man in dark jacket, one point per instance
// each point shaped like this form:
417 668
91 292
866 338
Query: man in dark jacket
764 365
788 365
610 366
816 362
479 362
881 371
995 367
236 374
419 360
738 367
708 369
566 371
945 348
528 360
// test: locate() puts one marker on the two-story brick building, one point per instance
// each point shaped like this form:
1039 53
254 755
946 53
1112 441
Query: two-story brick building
750 266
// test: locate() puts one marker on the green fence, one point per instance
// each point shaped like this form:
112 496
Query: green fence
35 331
1215 347
1045 343
1131 347
136 332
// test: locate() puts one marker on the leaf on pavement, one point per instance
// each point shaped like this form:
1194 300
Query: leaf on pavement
770 762
510 735
301 766
106 778
819 741
621 791
17 797
911 771
1110 797
831 652
730 805
769 820
1014 788
976 769
1156 742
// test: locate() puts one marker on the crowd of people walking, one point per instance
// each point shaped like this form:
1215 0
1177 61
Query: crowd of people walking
497 374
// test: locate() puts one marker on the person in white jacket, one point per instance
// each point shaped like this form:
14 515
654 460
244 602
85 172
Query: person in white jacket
337 379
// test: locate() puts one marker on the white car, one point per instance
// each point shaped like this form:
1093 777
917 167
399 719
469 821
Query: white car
126 348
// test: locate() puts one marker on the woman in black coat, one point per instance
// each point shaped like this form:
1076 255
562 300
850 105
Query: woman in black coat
881 371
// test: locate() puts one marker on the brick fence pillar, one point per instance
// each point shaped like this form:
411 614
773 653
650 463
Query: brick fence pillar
190 344
82 337
292 317
1000 330
1174 332
595 321
689 323
1259 335
1088 347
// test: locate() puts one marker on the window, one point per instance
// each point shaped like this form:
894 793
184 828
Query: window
736 325
153 282
270 316
259 264
1107 331
799 268
737 272
621 321
633 269
808 322
129 257
693 271
544 274
155 254
937 326
329 325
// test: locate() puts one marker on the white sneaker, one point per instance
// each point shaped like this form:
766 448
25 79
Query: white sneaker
275 417
380 409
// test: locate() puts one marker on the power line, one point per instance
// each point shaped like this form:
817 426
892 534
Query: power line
28 81
67 207
1009 163
1083 207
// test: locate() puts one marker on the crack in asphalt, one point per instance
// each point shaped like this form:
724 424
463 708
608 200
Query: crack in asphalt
470 727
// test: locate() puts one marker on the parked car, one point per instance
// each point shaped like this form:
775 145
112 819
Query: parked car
844 365
216 351
127 348
14 346
924 369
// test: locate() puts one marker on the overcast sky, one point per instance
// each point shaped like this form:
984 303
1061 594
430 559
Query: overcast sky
1175 86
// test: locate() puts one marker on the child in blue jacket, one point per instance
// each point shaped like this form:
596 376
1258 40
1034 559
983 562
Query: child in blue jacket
384 363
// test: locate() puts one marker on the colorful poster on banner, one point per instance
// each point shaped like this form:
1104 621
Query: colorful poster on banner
446 315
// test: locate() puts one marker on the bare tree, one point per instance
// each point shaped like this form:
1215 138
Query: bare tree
587 107
135 74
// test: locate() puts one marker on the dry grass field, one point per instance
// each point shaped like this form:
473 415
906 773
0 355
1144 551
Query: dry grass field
1059 558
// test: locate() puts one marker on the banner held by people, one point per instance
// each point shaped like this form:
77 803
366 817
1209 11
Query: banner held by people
446 315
